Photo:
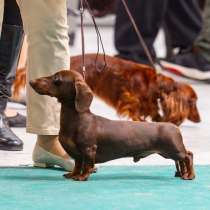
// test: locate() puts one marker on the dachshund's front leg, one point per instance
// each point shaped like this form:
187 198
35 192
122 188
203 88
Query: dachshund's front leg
89 162
77 170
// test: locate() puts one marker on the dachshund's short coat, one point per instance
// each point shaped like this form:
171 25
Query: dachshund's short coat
91 139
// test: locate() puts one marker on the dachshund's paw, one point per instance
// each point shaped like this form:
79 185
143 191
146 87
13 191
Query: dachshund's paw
93 170
191 176
68 175
80 178
187 176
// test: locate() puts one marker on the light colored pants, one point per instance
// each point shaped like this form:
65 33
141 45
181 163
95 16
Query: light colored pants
45 25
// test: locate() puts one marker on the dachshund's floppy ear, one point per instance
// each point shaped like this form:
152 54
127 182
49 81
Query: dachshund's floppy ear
84 95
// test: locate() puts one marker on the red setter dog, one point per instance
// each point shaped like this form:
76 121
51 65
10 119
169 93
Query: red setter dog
136 91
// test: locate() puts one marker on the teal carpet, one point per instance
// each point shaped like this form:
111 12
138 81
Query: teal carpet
111 188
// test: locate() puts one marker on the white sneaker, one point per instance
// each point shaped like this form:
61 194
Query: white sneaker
190 64
44 159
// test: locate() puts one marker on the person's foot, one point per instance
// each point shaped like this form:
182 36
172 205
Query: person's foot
72 36
15 119
8 140
189 64
48 152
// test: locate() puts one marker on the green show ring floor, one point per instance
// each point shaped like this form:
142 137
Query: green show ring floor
111 188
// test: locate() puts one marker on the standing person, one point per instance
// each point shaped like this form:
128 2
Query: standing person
72 6
45 26
11 38
182 19
195 62
48 52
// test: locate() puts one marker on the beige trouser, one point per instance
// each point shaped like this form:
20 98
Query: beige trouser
45 24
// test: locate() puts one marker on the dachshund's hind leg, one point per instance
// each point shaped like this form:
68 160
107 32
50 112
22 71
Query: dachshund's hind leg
178 172
184 165
189 165
179 158
183 168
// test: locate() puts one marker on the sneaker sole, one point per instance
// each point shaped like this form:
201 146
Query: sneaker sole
14 148
16 125
185 71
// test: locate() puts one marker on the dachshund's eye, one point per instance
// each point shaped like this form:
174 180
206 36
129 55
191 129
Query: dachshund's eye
57 81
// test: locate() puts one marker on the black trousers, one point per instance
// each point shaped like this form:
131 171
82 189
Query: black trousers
182 18
10 46
12 13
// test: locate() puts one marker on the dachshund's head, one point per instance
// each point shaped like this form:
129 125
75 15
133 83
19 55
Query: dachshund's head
178 101
67 86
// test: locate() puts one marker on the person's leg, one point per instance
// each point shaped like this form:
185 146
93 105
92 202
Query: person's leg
72 5
10 46
202 4
148 15
184 22
45 25
1 14
203 41
194 63
12 21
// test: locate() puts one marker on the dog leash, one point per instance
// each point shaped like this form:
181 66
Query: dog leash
99 38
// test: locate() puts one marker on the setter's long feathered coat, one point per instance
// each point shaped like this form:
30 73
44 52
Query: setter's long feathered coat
134 90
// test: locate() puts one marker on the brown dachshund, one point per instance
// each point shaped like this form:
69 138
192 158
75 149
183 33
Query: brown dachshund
91 139
136 91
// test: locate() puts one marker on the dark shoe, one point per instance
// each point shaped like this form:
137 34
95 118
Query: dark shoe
8 140
10 46
17 121
189 64
71 38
